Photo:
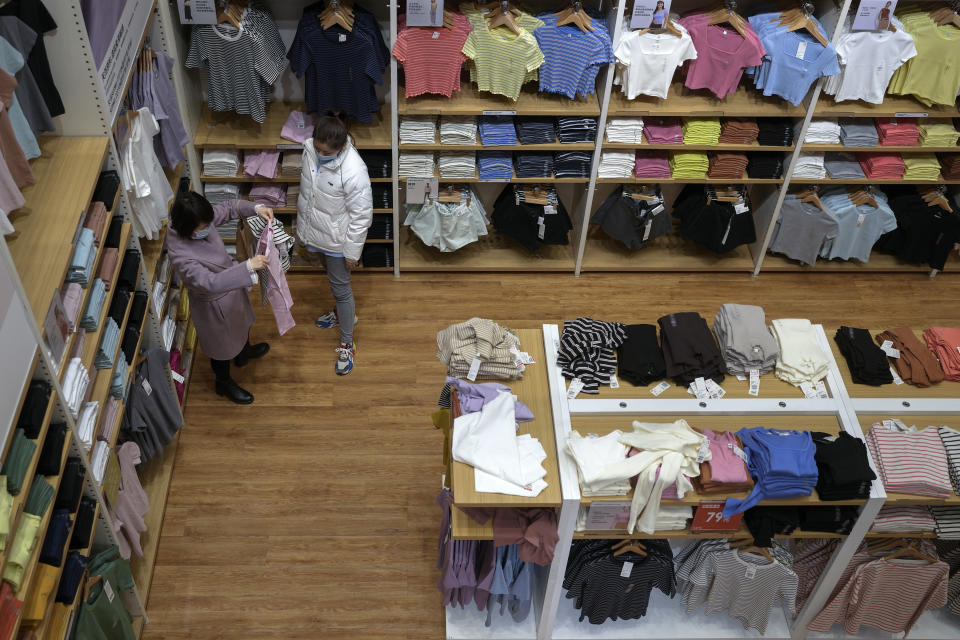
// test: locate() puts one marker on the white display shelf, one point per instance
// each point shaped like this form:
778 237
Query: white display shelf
469 624
938 624
666 618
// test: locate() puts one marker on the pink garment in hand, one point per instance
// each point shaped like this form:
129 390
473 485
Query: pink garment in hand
298 127
278 293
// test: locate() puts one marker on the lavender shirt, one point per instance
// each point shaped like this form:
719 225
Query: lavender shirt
474 396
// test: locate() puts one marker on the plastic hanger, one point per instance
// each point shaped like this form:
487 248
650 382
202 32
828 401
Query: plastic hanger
574 14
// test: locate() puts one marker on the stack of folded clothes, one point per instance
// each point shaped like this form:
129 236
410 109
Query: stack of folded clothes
652 164
842 165
625 130
418 130
572 164
738 131
727 165
530 164
882 166
767 165
866 361
688 164
494 165
936 132
897 132
663 130
497 131
775 132
571 129
855 132
534 130
458 130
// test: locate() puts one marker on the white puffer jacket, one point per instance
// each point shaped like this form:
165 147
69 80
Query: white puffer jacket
335 206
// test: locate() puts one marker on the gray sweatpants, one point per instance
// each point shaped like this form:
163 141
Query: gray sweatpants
339 277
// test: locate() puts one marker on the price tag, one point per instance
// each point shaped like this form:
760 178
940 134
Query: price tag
801 49
436 34
892 353
576 386
177 377
737 451
919 114
897 380
494 112
750 572
709 517
474 370
754 382
541 228
703 451
714 390
614 383
860 218
886 344
741 378
646 230
549 210
657 209
740 208
108 590
626 570
146 387
808 390
821 389
660 388
700 386
343 37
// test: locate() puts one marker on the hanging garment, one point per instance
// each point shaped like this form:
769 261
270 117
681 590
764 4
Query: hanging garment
154 90
152 414
16 33
431 58
143 177
275 283
132 503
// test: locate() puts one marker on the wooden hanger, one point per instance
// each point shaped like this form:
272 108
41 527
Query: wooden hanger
796 19
811 195
935 195
449 194
503 16
337 13
668 27
629 546
911 552
758 550
536 194
642 193
946 15
862 195
728 15
729 193
233 12
574 14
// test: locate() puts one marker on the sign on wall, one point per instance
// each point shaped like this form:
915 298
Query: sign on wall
649 13
874 15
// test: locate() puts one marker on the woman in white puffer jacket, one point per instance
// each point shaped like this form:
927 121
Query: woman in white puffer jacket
334 212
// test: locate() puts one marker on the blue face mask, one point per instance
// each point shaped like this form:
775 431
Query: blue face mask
200 235
325 159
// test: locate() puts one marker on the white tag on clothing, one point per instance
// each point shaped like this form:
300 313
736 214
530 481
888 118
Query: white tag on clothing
703 451
822 390
808 390
108 590
626 570
701 387
576 386
958 349
474 370
646 230
737 451
741 378
754 382
714 390
146 387
860 218
740 208
343 37
897 380
886 344
657 209
541 228
522 356
177 377
301 123
892 353
660 388
436 34
752 568
614 383
549 210
801 49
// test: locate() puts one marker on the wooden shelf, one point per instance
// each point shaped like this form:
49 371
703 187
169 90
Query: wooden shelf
685 533
879 262
230 131
463 527
879 149
187 372
66 173
554 146
944 389
20 499
940 180
514 179
173 176
892 107
753 147
666 253
680 101
603 425
155 478
742 180
240 177
492 252
470 101
152 251
533 391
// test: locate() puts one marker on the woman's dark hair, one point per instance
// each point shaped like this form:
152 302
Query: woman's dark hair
331 130
189 211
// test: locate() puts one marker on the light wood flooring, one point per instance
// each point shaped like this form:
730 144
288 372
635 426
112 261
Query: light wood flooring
311 513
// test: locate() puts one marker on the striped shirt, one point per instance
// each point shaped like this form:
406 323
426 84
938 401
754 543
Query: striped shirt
910 461
241 64
586 351
459 344
947 522
951 444
502 59
432 58
571 57
903 519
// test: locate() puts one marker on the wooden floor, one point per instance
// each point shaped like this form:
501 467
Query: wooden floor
311 513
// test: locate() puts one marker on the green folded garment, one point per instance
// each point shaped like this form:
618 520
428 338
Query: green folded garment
23 543
18 459
40 496
6 507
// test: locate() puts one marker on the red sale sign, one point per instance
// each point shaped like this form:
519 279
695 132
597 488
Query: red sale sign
709 517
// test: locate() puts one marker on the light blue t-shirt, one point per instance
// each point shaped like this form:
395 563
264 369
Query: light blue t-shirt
572 58
856 236
12 61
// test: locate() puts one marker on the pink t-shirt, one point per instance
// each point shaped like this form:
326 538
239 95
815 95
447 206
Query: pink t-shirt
722 55
725 465
432 57
651 164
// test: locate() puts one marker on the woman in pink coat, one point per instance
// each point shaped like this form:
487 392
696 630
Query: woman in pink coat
217 284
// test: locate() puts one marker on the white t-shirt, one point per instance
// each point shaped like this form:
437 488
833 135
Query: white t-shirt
869 60
650 60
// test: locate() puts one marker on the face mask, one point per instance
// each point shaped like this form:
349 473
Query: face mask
200 235
325 159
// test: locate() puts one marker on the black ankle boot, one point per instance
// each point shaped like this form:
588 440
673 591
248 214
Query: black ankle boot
251 352
234 392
